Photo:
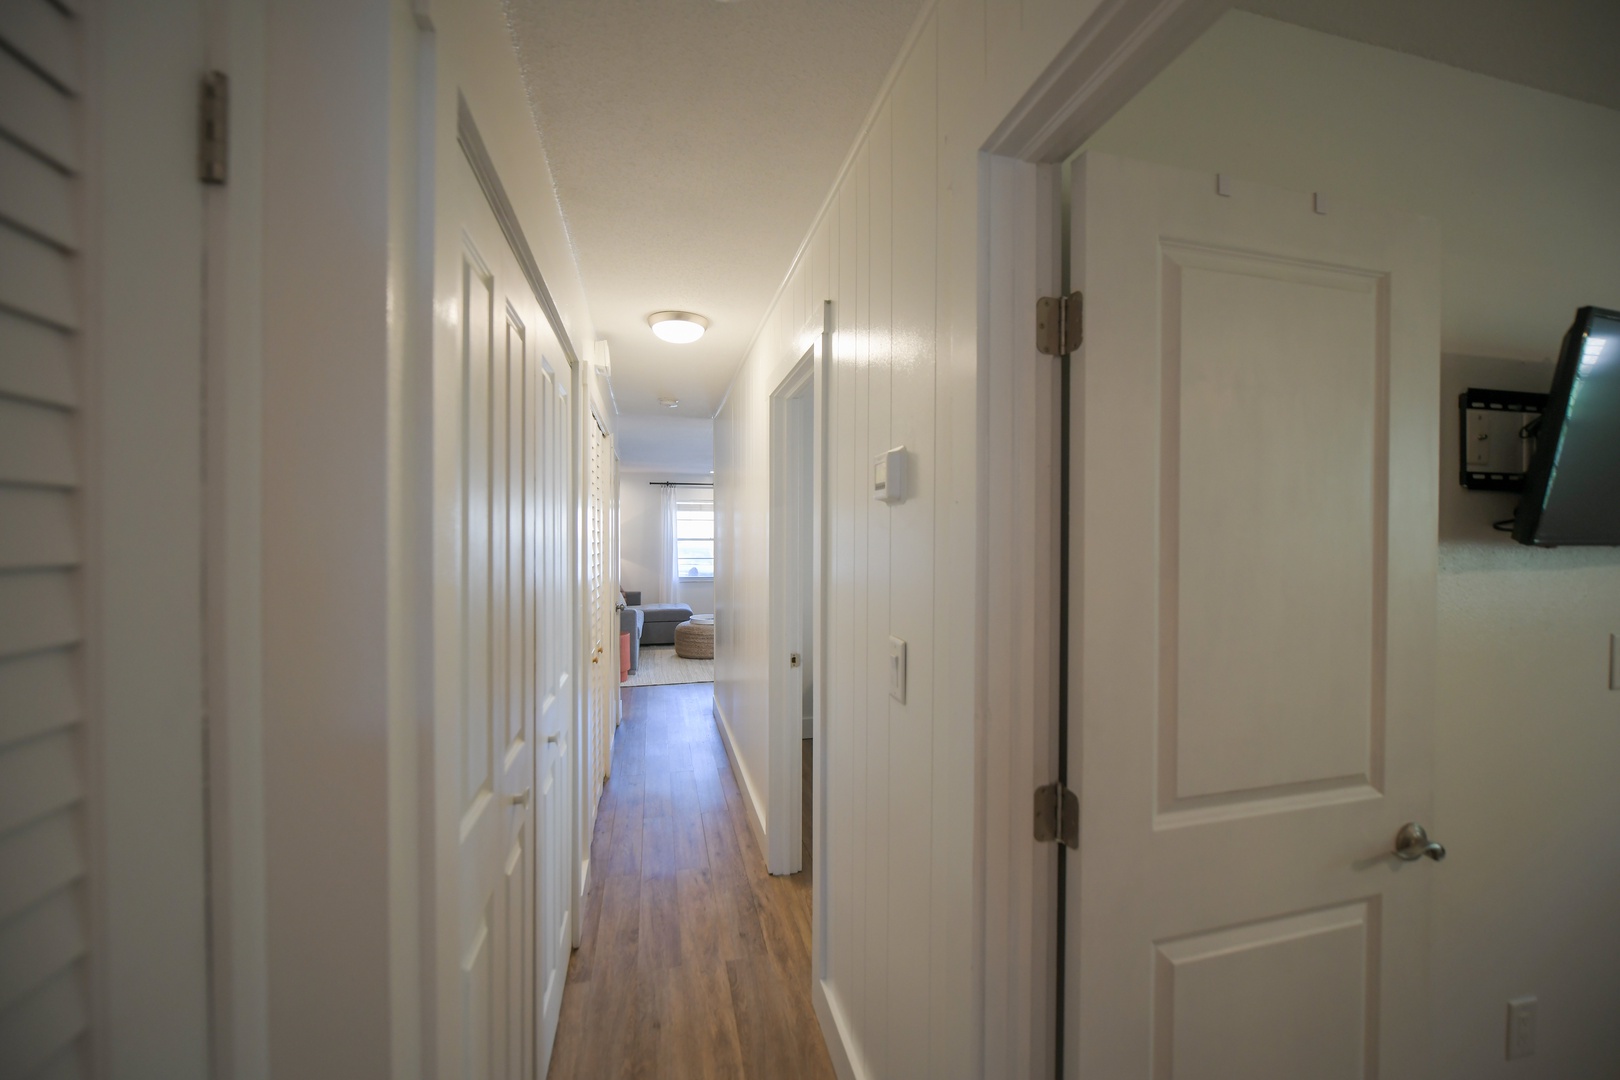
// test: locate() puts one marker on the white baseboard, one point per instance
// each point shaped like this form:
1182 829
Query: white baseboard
745 779
846 1060
577 910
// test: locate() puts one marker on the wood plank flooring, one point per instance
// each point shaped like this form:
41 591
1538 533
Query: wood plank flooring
695 962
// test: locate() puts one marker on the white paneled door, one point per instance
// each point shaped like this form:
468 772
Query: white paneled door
1254 474
507 632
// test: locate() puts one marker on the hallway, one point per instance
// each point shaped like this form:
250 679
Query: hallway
694 962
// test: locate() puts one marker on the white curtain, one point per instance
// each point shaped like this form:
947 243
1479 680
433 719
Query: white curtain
667 576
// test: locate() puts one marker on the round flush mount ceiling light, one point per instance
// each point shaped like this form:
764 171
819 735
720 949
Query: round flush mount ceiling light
679 327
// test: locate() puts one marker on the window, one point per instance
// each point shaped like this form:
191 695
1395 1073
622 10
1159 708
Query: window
694 541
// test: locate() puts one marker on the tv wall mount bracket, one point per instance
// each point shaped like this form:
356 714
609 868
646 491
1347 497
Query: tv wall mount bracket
1498 437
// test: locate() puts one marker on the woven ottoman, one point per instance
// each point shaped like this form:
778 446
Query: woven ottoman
695 640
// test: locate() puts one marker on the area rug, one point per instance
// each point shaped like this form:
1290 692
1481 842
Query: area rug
661 667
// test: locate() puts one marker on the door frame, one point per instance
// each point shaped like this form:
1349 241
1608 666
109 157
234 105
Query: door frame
1113 56
597 674
784 849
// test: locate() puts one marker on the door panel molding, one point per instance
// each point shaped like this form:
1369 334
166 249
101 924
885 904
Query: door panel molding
1257 407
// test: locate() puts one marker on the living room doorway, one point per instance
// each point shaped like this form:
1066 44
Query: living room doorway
666 529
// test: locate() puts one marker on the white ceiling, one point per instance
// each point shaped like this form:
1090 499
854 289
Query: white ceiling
667 443
691 143
1565 47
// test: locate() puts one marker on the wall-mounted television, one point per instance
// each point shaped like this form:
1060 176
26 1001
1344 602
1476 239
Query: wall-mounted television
1572 489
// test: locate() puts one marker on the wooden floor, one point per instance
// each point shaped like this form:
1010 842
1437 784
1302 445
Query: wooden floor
695 962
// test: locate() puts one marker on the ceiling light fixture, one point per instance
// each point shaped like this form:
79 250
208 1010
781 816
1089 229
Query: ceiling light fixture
669 402
678 327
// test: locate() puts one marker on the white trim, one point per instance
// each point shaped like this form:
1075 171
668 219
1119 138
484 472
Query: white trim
411 637
1018 588
846 1060
233 610
579 505
140 355
1117 52
785 724
818 589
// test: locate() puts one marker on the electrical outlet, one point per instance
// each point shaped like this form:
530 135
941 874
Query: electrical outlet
1521 1027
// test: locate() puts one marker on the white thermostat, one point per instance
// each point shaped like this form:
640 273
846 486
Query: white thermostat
889 475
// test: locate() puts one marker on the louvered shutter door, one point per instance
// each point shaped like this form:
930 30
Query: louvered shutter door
44 936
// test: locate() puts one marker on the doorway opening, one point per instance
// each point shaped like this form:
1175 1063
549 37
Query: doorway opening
793 654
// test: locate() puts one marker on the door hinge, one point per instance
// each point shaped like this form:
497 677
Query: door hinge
1059 324
1057 815
213 127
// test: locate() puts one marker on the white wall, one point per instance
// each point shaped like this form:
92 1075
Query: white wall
325 397
639 509
1527 734
896 250
801 443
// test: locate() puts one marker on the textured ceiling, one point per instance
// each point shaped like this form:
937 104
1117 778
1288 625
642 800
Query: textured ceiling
691 143
669 443
1565 47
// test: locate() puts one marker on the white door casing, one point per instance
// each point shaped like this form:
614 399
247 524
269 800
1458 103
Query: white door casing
610 608
792 601
597 607
554 654
1253 486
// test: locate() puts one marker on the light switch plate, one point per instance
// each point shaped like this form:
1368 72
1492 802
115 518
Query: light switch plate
889 476
897 669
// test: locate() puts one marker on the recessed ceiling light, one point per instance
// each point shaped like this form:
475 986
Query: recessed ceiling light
669 402
679 327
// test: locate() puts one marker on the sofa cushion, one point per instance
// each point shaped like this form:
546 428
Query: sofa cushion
676 613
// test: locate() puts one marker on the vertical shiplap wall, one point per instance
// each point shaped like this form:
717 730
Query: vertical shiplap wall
896 251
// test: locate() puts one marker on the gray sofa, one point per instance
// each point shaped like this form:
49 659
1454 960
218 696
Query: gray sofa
649 624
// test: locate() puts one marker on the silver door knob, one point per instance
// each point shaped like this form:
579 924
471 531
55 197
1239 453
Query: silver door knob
1412 843
522 799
